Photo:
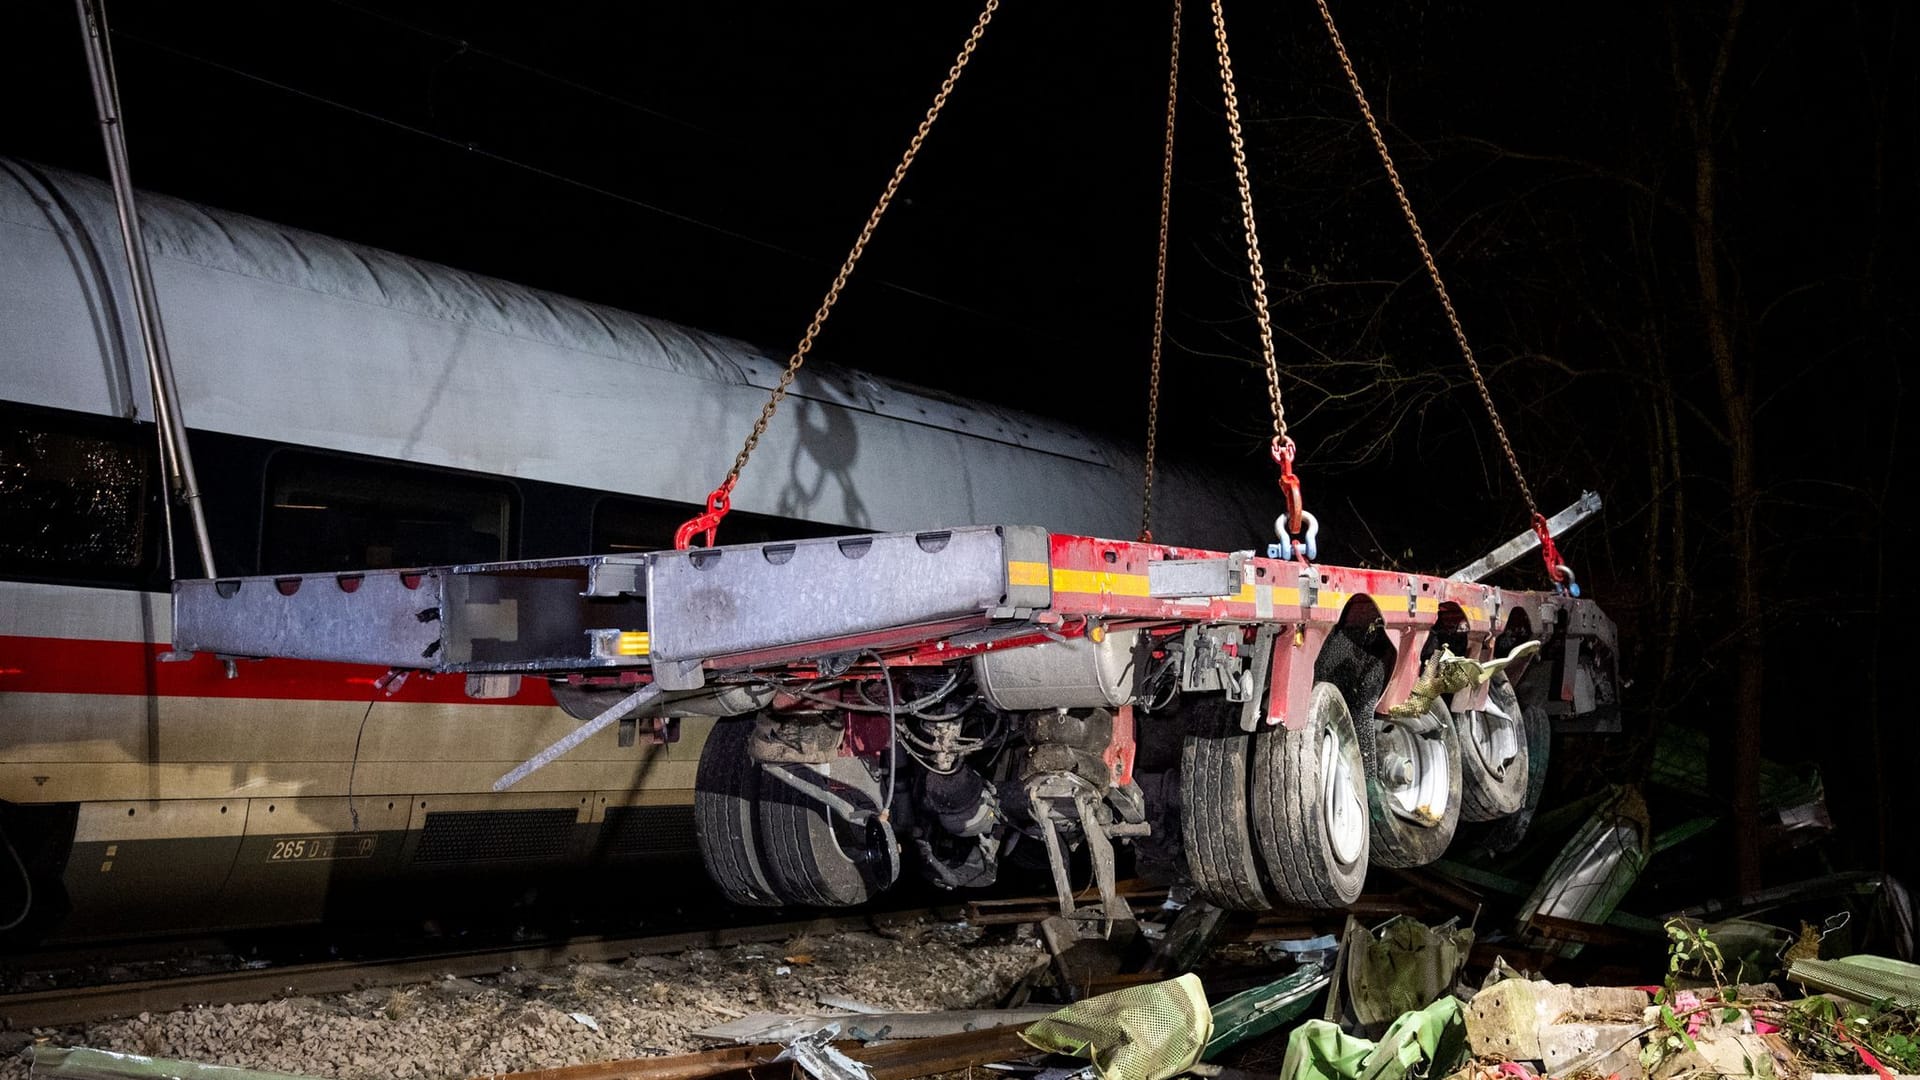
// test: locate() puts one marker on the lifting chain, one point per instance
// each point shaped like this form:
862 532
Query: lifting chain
1556 570
1299 531
1160 284
719 501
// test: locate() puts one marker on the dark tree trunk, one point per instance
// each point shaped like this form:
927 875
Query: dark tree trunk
1743 489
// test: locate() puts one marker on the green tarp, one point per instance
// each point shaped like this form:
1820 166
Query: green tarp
1429 1043
1147 1032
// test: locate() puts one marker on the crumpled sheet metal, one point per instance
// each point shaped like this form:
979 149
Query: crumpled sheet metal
1402 966
1148 1032
1866 979
82 1063
1596 869
1431 1042
1252 1013
816 1054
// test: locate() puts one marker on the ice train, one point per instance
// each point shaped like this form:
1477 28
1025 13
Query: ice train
352 408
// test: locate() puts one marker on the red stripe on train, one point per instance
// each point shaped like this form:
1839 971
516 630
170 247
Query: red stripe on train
43 665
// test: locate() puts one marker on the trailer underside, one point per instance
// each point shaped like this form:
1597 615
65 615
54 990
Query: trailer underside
949 698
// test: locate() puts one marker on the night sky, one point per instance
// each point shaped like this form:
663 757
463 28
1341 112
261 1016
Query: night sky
710 163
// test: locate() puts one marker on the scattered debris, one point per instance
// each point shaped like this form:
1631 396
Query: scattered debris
1253 1013
815 1053
1429 1042
1865 979
1148 1032
931 998
1399 967
80 1063
1554 1024
868 1027
1187 940
646 1007
1084 952
910 1059
1594 871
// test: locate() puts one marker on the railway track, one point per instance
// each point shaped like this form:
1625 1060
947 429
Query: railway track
69 1005
88 1004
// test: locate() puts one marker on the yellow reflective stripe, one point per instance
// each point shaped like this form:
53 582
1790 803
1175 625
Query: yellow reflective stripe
1120 584
1100 581
1026 573
633 643
1398 602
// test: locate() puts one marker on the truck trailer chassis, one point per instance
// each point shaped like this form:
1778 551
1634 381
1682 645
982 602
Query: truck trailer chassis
974 689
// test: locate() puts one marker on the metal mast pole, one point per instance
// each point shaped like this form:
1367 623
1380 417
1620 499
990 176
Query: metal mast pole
175 458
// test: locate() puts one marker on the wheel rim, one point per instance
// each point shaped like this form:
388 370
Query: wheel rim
1495 737
1344 805
1413 774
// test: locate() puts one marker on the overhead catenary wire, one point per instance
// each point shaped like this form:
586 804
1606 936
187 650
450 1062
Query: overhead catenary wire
558 177
719 499
466 47
1426 255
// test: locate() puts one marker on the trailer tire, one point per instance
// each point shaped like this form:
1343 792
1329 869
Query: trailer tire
1507 833
726 787
1415 813
1493 756
1215 825
1539 754
814 855
1310 805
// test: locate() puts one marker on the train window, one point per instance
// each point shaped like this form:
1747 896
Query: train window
74 496
326 512
624 524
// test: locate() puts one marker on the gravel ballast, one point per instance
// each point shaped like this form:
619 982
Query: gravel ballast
585 1012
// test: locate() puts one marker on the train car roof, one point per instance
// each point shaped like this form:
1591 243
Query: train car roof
289 335
240 244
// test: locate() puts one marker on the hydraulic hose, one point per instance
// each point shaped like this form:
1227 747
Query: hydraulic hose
26 884
893 737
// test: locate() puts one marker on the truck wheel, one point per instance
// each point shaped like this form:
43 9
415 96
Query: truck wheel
814 854
1413 787
725 788
1493 753
1310 805
1506 834
1215 826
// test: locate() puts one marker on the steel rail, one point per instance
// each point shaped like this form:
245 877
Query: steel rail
89 1004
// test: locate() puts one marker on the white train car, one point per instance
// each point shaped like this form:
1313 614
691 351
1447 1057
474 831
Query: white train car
349 408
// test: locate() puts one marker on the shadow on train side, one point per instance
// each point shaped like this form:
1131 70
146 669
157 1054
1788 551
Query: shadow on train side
330 388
